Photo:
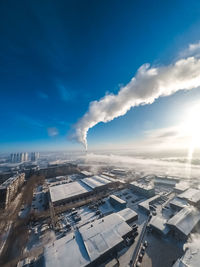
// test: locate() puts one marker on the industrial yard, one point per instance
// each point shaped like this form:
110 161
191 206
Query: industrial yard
104 219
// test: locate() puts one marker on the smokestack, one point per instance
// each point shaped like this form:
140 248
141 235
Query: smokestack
148 84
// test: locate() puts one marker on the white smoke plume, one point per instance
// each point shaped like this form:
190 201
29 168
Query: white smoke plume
148 84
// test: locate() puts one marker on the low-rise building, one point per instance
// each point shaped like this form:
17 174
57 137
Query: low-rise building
128 215
144 189
192 196
10 188
166 181
90 245
145 205
117 202
178 203
158 224
191 257
183 222
65 193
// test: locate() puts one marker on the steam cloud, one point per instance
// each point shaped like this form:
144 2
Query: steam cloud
148 84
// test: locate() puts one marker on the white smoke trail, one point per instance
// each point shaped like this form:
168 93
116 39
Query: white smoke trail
148 84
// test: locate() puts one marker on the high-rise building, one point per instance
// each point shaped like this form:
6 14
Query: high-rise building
19 157
35 156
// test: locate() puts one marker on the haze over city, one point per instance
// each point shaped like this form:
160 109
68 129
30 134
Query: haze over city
99 134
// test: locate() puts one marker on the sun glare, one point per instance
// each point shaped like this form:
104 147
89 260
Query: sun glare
191 126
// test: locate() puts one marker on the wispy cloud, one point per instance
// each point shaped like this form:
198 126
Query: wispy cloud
42 95
52 131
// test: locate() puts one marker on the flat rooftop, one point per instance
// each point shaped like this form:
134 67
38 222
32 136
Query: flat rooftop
66 251
145 204
121 201
142 186
104 234
185 220
179 202
65 191
10 181
95 181
191 257
191 194
159 223
127 214
88 243
182 186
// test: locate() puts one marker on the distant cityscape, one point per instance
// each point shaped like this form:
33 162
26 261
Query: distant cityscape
24 156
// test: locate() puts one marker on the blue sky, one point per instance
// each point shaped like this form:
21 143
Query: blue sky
58 56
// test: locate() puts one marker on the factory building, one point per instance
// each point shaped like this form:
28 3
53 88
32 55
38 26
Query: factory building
178 203
181 187
191 257
90 245
119 172
143 189
117 202
79 190
65 193
98 183
192 196
9 189
166 181
183 222
128 215
145 205
158 224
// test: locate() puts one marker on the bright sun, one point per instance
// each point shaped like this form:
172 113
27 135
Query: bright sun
191 128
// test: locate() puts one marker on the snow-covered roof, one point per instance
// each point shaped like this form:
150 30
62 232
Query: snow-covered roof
159 223
119 200
67 251
142 186
191 258
88 243
179 202
86 173
65 191
191 194
145 204
181 186
185 220
103 234
95 181
127 214
11 180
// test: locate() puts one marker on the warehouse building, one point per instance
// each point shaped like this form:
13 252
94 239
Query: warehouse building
117 202
184 222
192 196
98 183
178 203
90 245
166 181
146 190
145 205
128 215
65 193
158 224
78 190
191 257
9 189
181 187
